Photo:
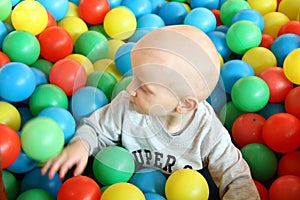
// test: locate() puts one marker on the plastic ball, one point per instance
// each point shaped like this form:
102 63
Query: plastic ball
105 81
10 145
122 59
277 82
93 11
138 34
17 82
273 22
264 166
290 8
138 7
271 109
73 10
218 98
45 96
290 27
9 115
40 77
108 65
216 13
10 184
21 46
84 61
149 181
112 165
114 3
228 114
120 191
35 193
266 41
78 188
45 132
3 34
56 43
251 15
186 184
43 65
91 97
25 115
4 59
291 66
219 40
92 44
29 16
232 71
289 164
63 118
172 13
69 75
250 93
51 20
210 4
40 182
150 21
285 187
120 23
262 190
263 7
22 164
75 26
153 196
201 18
230 8
114 45
247 129
242 36
291 102
58 8
121 85
281 132
283 45
5 9
156 5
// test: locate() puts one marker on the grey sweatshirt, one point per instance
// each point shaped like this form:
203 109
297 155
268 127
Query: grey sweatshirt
205 142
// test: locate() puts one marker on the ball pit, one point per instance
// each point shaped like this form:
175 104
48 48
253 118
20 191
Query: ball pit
48 32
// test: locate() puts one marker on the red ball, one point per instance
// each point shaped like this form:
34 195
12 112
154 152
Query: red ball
290 27
277 82
262 190
247 129
78 188
51 20
10 145
56 43
4 59
93 11
281 132
216 13
68 74
291 102
285 187
266 41
289 164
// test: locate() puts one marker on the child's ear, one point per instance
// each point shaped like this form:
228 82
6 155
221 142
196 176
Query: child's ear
187 104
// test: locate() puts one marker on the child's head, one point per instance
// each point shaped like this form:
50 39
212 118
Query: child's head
180 58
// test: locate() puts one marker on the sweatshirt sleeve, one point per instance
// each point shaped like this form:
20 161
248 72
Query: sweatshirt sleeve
103 127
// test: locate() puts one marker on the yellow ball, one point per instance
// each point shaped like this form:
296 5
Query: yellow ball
221 59
263 7
186 184
291 66
114 45
273 22
120 23
29 16
72 10
108 65
84 61
122 191
260 58
9 115
290 8
75 26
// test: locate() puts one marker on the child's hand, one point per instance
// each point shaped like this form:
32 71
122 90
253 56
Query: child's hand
76 153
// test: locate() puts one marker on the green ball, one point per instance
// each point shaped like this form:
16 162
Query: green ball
10 184
231 7
228 114
104 81
35 193
43 65
21 46
250 94
93 45
242 36
5 9
261 160
113 164
121 85
42 138
47 95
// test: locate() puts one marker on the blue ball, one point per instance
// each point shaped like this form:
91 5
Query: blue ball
75 1
85 101
58 8
251 15
63 118
150 21
271 109
3 33
201 18
40 76
22 164
218 98
283 45
173 13
17 82
114 3
25 114
232 71
219 40
149 181
222 28
156 5
122 59
138 7
210 4
138 34
153 196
